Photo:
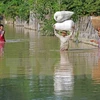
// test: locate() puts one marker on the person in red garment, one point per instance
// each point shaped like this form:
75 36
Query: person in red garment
2 32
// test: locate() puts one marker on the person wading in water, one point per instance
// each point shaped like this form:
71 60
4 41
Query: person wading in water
2 32
64 39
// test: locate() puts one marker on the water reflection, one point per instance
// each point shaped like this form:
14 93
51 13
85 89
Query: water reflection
96 70
27 69
19 29
63 76
2 49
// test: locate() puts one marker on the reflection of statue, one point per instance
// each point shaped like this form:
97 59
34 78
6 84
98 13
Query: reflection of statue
1 48
96 70
63 77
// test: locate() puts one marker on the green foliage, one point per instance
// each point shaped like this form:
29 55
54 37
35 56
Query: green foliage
23 11
13 8
47 28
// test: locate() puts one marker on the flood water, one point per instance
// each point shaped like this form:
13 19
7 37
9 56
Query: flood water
33 68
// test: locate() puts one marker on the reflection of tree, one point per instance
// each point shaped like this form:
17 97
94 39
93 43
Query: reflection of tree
11 89
22 88
63 77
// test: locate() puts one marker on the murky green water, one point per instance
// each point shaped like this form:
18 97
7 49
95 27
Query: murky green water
32 68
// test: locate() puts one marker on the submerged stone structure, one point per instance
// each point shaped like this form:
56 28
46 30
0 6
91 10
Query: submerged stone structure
85 28
32 24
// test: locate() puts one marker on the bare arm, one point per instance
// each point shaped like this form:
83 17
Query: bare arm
2 33
72 32
56 33
94 41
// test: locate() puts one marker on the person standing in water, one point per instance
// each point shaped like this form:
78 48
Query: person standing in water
2 32
64 39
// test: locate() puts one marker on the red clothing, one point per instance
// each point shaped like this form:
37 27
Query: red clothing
2 38
2 45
